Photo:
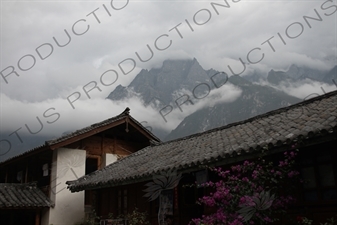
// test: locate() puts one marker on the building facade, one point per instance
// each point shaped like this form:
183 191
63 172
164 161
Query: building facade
66 158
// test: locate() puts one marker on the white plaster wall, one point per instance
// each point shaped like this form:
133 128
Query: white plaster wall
68 164
109 158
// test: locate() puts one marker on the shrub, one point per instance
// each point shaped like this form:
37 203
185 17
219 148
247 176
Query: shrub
250 193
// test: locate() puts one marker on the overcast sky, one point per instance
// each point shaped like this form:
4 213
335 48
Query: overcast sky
105 36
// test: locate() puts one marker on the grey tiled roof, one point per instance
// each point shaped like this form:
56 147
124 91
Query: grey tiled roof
22 196
277 129
92 127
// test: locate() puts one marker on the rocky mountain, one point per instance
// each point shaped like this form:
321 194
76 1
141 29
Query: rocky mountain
158 85
161 86
331 76
254 100
295 73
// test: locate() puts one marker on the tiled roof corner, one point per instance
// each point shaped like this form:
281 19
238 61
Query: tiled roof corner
26 196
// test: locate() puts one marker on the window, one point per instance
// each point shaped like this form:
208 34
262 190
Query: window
91 165
318 170
122 201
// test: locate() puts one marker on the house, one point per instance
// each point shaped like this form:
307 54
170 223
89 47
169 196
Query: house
26 200
32 185
310 125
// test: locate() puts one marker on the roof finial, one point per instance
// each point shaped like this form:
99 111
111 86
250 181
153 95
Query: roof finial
126 111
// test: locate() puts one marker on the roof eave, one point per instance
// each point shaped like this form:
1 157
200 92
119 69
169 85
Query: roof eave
236 156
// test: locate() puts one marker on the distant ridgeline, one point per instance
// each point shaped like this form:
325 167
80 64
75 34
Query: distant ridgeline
175 85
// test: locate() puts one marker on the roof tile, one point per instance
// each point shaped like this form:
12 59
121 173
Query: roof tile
22 196
273 129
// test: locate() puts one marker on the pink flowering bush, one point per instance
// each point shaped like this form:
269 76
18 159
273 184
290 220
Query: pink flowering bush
250 193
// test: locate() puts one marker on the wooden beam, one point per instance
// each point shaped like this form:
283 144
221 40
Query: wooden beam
100 166
37 217
142 131
6 178
114 145
26 173
85 135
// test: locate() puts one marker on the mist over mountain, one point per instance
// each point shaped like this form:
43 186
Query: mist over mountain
260 93
302 82
226 99
295 73
331 76
159 87
254 100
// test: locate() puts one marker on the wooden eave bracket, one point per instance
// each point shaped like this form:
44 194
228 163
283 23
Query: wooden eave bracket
127 124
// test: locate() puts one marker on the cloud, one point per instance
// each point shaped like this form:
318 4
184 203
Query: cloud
187 103
302 89
53 117
230 34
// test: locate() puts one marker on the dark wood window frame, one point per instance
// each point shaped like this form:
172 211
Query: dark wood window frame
319 172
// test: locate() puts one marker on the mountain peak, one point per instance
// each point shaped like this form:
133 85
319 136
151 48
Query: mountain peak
238 80
162 83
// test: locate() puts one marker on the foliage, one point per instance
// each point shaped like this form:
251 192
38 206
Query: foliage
330 221
250 193
134 218
305 221
91 219
137 218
